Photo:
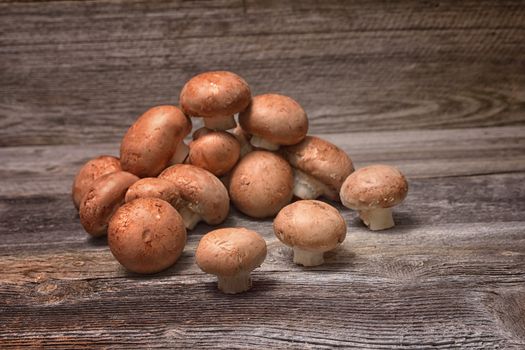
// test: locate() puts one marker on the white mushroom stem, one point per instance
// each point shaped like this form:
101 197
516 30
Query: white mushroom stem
235 284
181 153
377 218
220 123
307 258
259 142
308 187
189 217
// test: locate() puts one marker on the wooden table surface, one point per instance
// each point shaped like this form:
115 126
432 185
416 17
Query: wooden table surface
436 88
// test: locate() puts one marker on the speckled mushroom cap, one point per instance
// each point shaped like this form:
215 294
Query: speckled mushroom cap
204 192
152 187
104 196
261 184
310 225
91 171
230 251
276 118
149 144
215 94
146 235
216 151
374 186
320 159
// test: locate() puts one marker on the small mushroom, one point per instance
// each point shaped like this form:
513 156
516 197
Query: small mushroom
244 140
103 198
231 254
274 120
216 151
204 197
311 228
155 141
373 191
146 235
261 184
91 171
320 168
152 187
215 96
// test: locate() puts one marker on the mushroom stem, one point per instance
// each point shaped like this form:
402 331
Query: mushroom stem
308 187
235 284
377 219
181 153
307 258
220 123
259 142
189 217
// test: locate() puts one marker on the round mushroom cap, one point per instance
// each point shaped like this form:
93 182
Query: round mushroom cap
276 118
215 94
216 151
204 193
149 144
91 171
261 184
230 251
310 225
103 198
374 186
146 235
152 187
320 159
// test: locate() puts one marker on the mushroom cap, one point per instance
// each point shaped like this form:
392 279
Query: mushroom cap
276 118
320 159
216 151
152 187
149 144
91 171
261 184
374 186
215 94
310 225
104 196
230 251
205 193
146 235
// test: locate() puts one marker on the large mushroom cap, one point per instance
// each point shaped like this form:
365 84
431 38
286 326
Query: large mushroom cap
261 184
215 151
374 186
215 94
152 187
146 235
150 143
276 118
91 171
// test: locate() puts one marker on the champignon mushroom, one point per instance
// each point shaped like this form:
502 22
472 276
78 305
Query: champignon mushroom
231 254
146 235
320 168
216 151
311 228
373 191
91 171
102 199
155 141
204 197
244 140
274 120
152 187
215 96
261 184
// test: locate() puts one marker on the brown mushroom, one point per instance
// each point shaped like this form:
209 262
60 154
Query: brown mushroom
373 191
215 96
152 187
204 197
216 151
244 140
91 171
155 141
103 198
274 120
311 228
320 168
231 254
146 235
261 184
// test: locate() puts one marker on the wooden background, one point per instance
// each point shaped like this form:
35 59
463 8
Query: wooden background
436 88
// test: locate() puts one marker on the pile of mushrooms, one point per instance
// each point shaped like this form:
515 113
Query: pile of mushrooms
161 187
